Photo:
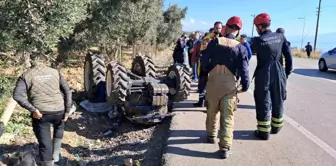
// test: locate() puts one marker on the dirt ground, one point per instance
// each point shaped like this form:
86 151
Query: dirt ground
84 140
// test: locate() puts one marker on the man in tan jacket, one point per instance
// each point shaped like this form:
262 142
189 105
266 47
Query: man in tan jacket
225 59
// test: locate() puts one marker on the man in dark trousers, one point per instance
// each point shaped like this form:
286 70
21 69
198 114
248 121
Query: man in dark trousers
224 60
282 31
309 49
203 76
270 77
49 102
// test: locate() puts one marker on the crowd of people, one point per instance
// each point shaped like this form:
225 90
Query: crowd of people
220 65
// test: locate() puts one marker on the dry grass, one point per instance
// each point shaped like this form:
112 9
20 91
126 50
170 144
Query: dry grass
302 54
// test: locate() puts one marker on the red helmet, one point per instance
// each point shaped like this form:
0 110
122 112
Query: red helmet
235 20
262 19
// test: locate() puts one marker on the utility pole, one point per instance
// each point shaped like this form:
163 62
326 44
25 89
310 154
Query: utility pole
253 15
304 25
317 24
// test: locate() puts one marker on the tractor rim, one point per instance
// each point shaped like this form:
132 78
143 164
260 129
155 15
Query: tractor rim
108 83
87 76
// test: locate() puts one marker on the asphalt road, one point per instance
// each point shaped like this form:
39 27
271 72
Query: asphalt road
308 137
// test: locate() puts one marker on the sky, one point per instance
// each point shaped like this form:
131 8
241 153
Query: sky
202 14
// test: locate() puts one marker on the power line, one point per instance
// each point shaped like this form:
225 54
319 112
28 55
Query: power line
317 24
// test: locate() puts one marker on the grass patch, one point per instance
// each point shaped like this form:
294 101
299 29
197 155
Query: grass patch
302 54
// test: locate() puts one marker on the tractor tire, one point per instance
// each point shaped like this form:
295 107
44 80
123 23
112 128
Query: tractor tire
181 83
143 66
94 73
117 83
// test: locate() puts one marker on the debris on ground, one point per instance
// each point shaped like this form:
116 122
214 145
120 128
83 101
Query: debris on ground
93 138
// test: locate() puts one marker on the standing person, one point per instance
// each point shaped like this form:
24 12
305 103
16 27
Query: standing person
216 32
243 41
270 77
218 29
178 54
309 49
282 31
190 45
191 50
49 102
224 59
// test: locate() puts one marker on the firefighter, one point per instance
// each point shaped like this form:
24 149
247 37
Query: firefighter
224 59
270 77
49 102
199 50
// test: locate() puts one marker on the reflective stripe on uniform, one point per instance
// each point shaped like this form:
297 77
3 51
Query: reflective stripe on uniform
265 123
279 120
276 124
264 129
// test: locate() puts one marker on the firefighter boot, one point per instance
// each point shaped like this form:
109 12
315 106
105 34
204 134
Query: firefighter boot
224 152
262 135
275 130
56 149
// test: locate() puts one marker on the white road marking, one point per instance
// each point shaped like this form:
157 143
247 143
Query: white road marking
308 134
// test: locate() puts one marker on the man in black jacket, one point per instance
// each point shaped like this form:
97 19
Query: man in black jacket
45 88
224 60
270 77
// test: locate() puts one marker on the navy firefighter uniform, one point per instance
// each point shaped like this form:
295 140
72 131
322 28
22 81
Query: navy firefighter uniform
224 60
270 77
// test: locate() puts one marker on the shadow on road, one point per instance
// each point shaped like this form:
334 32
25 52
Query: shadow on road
244 135
331 75
179 137
187 106
243 106
193 153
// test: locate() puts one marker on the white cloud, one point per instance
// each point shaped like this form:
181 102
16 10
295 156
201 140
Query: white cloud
204 23
192 21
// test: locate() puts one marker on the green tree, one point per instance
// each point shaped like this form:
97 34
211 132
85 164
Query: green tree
38 24
171 26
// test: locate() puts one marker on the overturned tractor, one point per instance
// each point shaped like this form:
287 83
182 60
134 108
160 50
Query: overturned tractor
143 94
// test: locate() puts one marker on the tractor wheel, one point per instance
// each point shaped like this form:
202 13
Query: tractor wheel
143 66
94 73
117 83
180 87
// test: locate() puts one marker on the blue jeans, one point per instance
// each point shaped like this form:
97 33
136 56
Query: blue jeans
195 75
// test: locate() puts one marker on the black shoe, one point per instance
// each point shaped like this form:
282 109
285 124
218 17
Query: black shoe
263 136
224 153
211 140
275 130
